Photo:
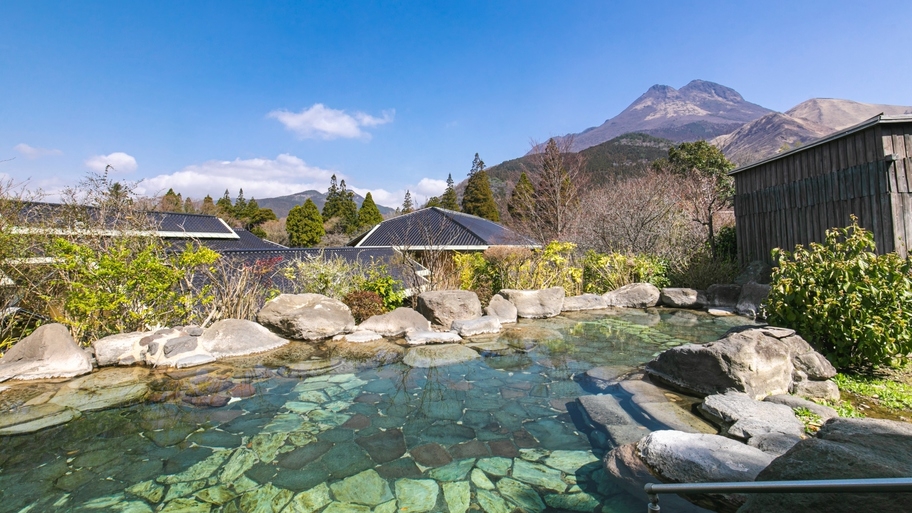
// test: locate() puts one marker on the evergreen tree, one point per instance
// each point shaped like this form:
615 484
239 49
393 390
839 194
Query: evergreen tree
171 202
369 214
332 205
449 200
478 199
433 201
522 204
407 205
225 206
340 208
208 206
188 206
304 225
240 205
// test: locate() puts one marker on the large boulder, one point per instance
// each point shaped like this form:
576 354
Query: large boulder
536 304
678 457
396 323
682 298
306 316
499 307
752 297
757 361
723 295
442 307
238 337
843 449
624 466
172 347
49 352
584 302
635 295
743 418
117 349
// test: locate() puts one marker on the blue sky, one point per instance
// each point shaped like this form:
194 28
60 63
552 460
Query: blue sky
275 97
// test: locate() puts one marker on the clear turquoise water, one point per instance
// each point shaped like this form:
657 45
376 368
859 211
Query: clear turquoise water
453 428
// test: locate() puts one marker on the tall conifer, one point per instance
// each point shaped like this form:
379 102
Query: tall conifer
304 225
369 214
478 199
449 200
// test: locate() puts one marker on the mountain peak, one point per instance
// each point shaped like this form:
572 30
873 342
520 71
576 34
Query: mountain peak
711 88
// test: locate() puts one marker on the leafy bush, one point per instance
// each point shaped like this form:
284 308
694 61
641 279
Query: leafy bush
727 244
128 284
378 280
337 277
700 270
364 304
845 300
604 273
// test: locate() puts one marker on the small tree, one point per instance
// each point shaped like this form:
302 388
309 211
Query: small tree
478 200
449 200
369 215
522 202
407 205
208 207
304 225
557 192
171 202
706 187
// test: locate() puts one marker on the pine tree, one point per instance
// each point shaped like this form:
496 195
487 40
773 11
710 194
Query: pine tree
478 199
225 206
188 206
407 205
170 202
304 225
369 215
208 206
433 201
449 200
521 205
240 205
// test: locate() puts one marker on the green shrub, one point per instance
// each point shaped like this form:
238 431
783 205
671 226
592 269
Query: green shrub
700 270
337 277
845 300
364 304
128 284
378 280
604 273
726 244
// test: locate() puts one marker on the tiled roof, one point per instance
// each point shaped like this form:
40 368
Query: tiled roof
441 229
245 241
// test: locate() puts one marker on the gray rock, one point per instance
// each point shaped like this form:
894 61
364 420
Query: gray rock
820 390
536 304
27 419
420 338
843 449
742 418
752 296
438 355
756 271
179 345
635 295
479 326
624 467
775 444
117 349
442 307
396 323
724 296
360 336
824 412
104 389
603 378
756 361
813 364
719 311
237 337
693 458
499 307
584 302
306 316
665 407
683 298
49 352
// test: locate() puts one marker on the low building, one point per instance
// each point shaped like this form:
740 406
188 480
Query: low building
794 197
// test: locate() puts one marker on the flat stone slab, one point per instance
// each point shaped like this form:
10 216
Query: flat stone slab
359 337
694 458
792 401
417 495
741 417
603 378
605 414
396 323
419 338
366 488
438 355
27 419
584 302
479 326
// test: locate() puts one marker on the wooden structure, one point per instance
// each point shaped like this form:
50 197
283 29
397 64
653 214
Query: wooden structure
794 197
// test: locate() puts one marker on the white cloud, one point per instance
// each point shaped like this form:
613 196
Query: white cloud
259 177
32 152
119 161
425 188
321 122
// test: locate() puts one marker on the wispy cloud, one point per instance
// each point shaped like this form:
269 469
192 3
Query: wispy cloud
32 152
259 177
119 161
321 122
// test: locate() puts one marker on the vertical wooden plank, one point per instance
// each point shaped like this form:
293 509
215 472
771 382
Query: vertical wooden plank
899 230
907 217
885 138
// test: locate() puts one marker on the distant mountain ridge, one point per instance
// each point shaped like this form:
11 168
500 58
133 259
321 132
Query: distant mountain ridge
699 110
803 123
283 204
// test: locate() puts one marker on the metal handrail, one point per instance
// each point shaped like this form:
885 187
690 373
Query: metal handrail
896 484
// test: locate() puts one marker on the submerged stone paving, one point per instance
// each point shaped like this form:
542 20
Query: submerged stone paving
320 435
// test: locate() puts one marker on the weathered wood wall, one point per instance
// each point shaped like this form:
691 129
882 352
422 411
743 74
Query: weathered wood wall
796 198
